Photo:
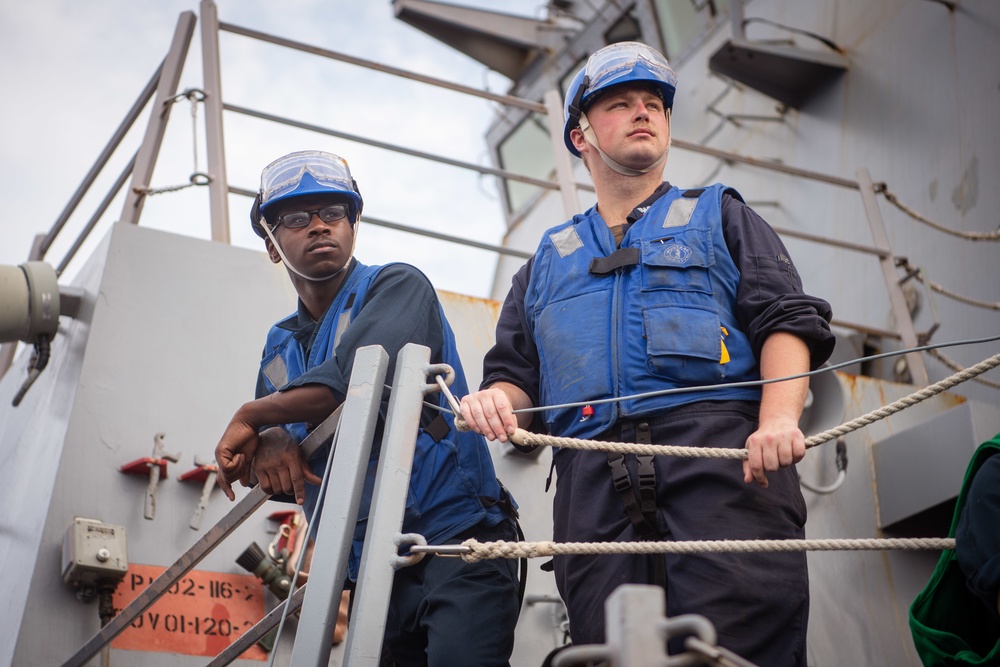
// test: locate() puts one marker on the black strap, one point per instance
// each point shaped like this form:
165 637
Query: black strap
505 503
575 107
523 578
643 516
552 467
437 428
693 193
623 485
618 259
647 476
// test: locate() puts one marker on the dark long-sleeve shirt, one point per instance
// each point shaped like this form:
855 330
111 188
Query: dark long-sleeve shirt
978 534
400 307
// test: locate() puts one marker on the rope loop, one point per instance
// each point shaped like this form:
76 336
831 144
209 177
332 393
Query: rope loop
194 95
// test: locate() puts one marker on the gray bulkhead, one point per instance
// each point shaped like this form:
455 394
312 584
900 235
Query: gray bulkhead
170 328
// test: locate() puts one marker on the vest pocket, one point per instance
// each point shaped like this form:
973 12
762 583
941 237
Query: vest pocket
572 338
684 344
678 261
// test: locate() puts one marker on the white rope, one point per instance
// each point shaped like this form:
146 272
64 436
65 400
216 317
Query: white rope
971 236
955 366
524 438
527 439
502 549
906 401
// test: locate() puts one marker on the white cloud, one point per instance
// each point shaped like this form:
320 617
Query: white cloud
71 71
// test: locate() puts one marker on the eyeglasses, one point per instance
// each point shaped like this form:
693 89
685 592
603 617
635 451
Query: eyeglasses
300 219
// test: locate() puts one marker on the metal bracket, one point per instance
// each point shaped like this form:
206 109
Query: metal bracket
154 466
205 472
411 539
435 370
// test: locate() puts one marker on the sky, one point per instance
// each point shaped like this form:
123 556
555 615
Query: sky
71 70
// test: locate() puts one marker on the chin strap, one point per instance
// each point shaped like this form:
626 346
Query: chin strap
288 265
591 137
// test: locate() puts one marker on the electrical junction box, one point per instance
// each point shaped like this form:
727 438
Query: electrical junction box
93 552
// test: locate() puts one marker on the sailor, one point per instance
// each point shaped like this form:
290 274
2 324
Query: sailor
655 288
443 611
955 619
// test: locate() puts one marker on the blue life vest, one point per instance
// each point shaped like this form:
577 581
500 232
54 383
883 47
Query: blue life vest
656 313
453 485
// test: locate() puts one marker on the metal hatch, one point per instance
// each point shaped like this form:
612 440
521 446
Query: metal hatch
503 42
789 74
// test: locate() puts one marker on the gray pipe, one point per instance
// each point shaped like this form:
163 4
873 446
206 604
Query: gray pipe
29 302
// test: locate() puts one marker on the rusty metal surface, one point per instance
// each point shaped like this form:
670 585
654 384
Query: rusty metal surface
474 321
859 602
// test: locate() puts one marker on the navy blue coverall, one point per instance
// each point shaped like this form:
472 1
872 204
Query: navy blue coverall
758 603
444 612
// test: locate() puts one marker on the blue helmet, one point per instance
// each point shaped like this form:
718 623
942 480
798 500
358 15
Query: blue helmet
623 62
304 173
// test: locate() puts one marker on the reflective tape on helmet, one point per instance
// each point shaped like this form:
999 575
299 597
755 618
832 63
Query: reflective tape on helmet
623 62
307 173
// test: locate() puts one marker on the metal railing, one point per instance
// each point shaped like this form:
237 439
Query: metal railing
164 84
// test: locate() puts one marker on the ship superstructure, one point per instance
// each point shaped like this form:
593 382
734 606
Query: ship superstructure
864 132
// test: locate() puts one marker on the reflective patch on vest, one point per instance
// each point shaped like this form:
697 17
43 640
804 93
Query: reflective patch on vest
344 320
342 323
277 372
680 212
566 241
676 253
